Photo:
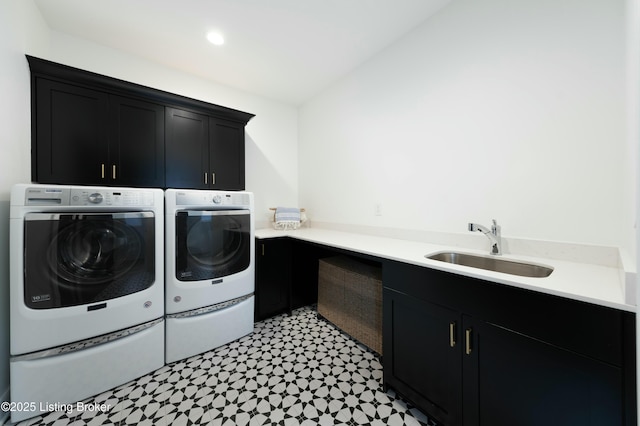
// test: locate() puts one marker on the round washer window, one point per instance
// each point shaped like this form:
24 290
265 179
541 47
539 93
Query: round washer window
94 252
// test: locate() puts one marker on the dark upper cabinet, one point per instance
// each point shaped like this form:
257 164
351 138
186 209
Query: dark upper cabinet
95 130
85 136
226 154
71 141
203 152
136 150
187 149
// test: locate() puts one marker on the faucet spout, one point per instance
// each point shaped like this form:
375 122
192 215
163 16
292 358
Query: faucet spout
493 234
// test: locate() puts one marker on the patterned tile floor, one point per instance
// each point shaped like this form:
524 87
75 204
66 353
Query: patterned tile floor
295 370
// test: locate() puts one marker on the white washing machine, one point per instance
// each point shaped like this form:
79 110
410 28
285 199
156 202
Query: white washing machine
209 270
86 291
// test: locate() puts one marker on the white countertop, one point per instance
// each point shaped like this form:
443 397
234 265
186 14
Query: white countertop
597 284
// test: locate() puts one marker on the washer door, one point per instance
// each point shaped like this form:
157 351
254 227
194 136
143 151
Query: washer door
212 244
74 259
90 253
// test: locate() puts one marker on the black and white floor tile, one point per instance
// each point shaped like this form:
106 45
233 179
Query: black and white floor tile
293 370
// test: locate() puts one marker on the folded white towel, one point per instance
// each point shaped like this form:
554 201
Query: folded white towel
287 215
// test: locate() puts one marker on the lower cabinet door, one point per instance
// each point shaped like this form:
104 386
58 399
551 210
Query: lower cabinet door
511 379
422 354
273 277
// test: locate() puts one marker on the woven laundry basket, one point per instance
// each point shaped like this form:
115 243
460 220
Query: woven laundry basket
350 297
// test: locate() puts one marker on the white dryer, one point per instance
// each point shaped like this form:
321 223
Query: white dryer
86 291
209 270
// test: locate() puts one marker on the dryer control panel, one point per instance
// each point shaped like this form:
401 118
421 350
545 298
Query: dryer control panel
212 199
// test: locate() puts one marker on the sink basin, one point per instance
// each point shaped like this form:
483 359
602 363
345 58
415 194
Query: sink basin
493 264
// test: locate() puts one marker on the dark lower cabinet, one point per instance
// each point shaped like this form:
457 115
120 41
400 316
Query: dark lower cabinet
286 275
428 374
512 379
475 353
273 277
470 352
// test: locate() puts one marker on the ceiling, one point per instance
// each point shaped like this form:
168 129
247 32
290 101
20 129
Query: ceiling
286 50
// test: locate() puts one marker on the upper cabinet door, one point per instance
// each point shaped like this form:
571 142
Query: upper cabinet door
136 149
226 164
71 136
187 149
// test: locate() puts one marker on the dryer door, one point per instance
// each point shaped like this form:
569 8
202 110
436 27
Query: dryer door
212 244
76 259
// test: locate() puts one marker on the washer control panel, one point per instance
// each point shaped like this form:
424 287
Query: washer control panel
96 198
80 196
110 197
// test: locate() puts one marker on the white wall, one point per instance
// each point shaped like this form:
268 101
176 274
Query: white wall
21 28
506 109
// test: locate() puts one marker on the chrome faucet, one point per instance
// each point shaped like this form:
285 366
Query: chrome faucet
493 235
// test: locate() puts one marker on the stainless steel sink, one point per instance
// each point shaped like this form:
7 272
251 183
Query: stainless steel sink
493 264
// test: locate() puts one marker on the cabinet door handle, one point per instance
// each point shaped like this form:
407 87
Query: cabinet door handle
467 335
113 172
102 168
262 249
213 178
452 334
205 178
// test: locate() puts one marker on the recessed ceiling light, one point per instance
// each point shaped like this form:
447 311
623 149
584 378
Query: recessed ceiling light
215 38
